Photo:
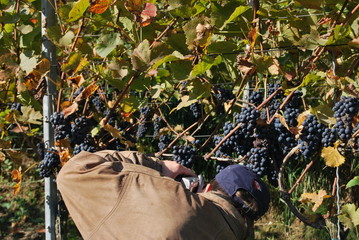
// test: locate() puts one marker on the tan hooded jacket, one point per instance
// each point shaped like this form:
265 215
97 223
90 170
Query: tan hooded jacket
122 195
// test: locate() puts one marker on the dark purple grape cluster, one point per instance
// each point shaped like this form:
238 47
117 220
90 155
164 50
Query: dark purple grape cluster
62 127
98 104
220 165
50 162
79 129
224 95
344 112
311 136
248 118
258 160
328 137
275 102
285 139
164 141
195 108
184 155
40 149
156 125
143 126
290 115
87 145
256 97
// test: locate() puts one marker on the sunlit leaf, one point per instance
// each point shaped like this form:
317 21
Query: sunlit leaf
78 10
332 157
148 13
349 216
236 13
2 157
205 64
72 63
316 198
76 81
17 188
106 43
351 183
30 115
310 3
87 92
141 56
100 6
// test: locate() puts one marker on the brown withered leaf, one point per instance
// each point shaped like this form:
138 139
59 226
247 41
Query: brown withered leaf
245 66
100 6
70 109
16 175
17 188
87 92
32 79
2 157
316 198
76 81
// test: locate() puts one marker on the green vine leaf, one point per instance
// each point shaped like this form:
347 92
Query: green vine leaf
349 216
107 43
30 115
353 182
78 10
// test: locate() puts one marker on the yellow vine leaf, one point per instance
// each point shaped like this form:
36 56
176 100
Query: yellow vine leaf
316 198
332 157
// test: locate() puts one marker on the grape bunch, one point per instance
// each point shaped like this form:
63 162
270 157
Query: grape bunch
40 149
275 102
224 95
79 129
156 125
143 126
310 137
98 104
62 127
329 137
256 97
184 155
50 162
164 140
220 165
258 160
345 111
195 109
285 139
87 145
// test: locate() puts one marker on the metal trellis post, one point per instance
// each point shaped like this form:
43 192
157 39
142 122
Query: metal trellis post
48 19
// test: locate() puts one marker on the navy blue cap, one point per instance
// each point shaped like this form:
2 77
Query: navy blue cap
236 177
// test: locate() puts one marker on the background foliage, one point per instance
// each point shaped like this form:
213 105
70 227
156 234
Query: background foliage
157 75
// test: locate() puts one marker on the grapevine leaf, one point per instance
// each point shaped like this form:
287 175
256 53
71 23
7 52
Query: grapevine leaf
200 90
17 188
106 43
129 104
29 115
71 109
185 102
134 6
16 175
66 40
78 10
27 64
148 13
175 56
353 182
87 92
349 216
332 157
72 63
190 30
100 6
316 198
205 64
76 81
324 114
236 13
310 3
141 56
2 157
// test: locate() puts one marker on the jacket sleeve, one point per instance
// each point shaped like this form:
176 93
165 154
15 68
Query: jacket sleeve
133 157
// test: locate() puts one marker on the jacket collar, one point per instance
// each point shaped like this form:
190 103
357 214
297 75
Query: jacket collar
234 219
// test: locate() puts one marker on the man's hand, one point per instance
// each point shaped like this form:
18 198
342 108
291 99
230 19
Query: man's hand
172 169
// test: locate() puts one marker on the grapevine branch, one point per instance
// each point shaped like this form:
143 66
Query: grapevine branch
319 222
124 91
207 156
178 136
164 32
309 165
